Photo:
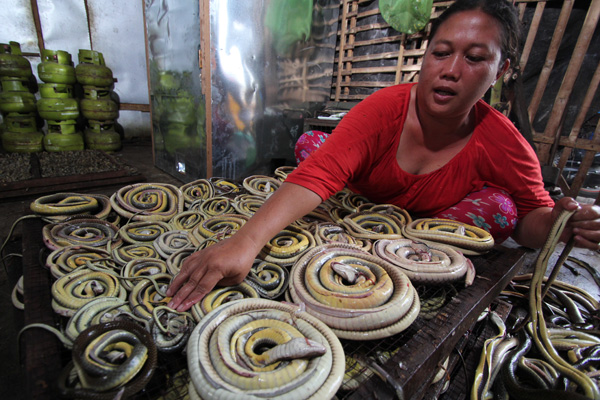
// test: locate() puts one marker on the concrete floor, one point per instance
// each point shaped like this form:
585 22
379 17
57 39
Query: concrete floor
138 154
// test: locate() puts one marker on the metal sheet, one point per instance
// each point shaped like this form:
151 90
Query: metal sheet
269 62
21 27
270 58
64 25
176 97
117 31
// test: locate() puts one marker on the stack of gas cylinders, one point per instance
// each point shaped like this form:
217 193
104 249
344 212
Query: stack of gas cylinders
72 99
20 133
97 105
58 105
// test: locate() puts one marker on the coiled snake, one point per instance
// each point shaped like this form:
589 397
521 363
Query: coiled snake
256 348
95 354
469 239
426 263
148 201
358 295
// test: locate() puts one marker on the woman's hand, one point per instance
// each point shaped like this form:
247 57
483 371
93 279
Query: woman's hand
228 262
225 263
584 225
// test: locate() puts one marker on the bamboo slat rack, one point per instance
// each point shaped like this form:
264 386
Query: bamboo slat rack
371 55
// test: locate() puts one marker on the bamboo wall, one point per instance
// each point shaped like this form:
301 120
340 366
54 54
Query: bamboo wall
555 105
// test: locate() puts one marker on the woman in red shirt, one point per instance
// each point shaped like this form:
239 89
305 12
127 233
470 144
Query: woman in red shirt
437 128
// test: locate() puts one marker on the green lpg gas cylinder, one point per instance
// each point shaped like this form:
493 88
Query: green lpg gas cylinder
102 136
16 97
92 71
58 109
56 90
56 67
20 134
54 141
22 142
97 105
12 62
66 127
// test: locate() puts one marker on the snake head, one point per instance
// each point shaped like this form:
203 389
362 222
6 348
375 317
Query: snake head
348 272
377 228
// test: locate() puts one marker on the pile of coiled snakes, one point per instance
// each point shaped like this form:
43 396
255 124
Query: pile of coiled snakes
348 267
549 346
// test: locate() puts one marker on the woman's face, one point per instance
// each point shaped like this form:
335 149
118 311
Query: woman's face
461 62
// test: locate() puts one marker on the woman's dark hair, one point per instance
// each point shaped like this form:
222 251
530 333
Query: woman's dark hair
501 10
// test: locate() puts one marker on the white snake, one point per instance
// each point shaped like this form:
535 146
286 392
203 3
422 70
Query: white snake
379 303
426 263
469 239
229 357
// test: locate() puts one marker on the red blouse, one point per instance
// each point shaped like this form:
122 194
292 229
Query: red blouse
361 154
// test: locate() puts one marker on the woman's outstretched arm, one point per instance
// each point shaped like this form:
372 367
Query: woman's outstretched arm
229 261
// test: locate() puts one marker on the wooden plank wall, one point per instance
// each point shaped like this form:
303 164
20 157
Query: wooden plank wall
371 55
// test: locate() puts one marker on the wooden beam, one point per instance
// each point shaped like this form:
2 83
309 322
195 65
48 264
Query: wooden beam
146 45
134 107
205 62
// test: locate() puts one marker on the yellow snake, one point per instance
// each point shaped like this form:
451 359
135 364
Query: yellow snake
373 225
98 310
170 329
540 333
318 215
186 221
426 263
329 232
81 231
390 209
135 270
143 231
247 204
125 254
175 260
224 187
282 172
66 259
200 189
213 206
287 246
56 207
268 279
148 201
81 286
376 302
222 295
223 225
351 201
236 352
172 241
469 239
261 185
148 293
